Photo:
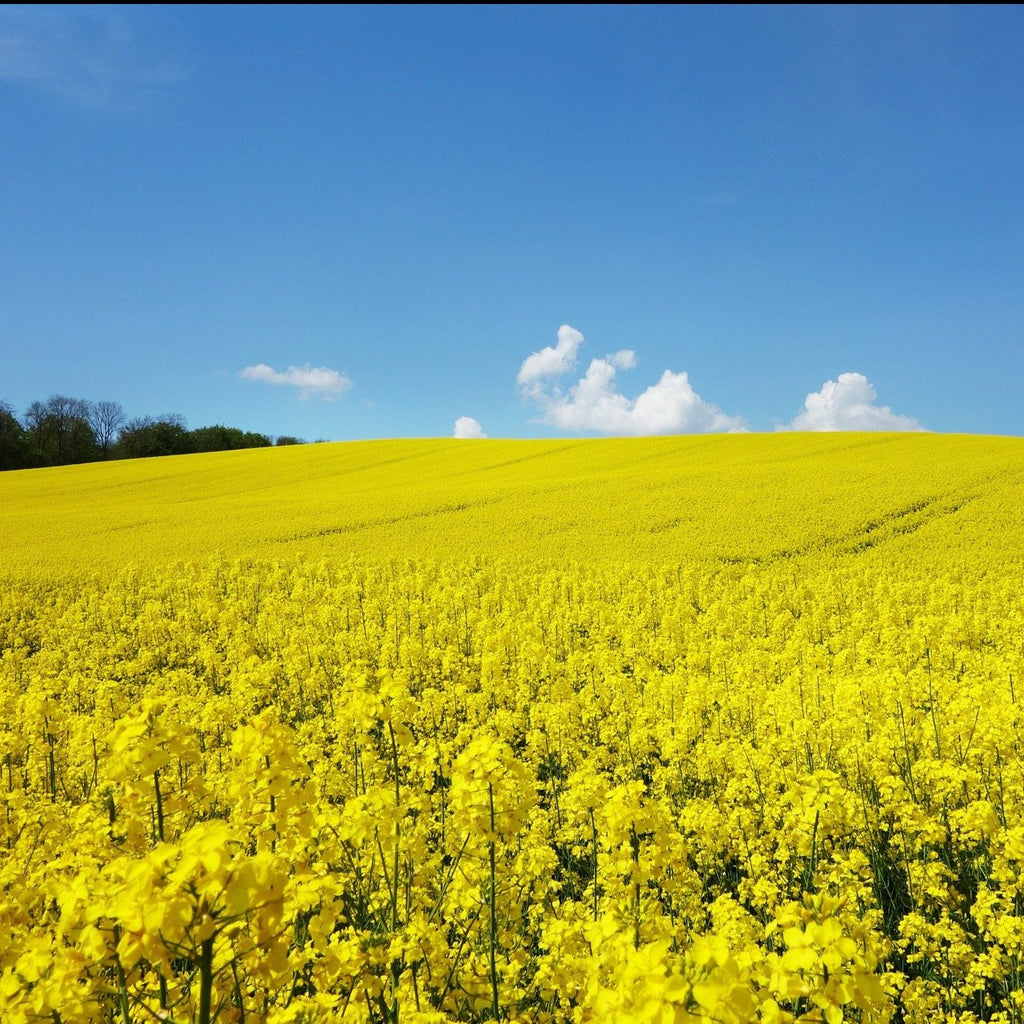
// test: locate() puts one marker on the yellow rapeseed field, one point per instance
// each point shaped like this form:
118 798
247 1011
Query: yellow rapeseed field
647 730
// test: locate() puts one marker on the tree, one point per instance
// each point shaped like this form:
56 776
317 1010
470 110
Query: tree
39 432
106 419
221 439
145 437
13 454
65 430
59 431
254 439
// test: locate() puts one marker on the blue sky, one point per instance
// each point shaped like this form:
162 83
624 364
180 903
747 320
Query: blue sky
366 222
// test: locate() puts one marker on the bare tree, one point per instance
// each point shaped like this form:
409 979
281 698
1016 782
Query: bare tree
40 431
59 431
75 439
106 419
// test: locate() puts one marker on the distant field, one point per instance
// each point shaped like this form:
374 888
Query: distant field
562 732
660 500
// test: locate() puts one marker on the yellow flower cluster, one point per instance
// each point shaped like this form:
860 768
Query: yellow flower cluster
777 779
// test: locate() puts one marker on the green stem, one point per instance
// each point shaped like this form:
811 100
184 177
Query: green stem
396 965
122 981
398 831
493 908
159 807
205 980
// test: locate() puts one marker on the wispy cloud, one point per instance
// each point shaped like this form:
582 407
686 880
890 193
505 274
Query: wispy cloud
92 56
467 427
310 381
848 403
671 406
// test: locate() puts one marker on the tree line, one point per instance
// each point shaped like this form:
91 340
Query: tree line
62 431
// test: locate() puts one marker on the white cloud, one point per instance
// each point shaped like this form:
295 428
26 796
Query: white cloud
467 427
849 404
594 402
550 362
311 381
93 56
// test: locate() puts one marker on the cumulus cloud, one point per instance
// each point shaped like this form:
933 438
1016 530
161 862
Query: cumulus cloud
310 381
594 402
550 362
849 404
467 427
